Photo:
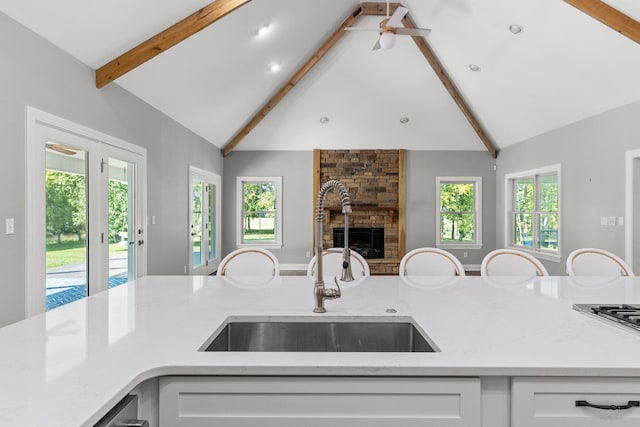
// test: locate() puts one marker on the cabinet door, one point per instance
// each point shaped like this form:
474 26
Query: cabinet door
551 402
303 401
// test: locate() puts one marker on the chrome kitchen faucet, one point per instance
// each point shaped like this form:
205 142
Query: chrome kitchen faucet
320 292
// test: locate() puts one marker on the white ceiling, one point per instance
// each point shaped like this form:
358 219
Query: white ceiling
563 67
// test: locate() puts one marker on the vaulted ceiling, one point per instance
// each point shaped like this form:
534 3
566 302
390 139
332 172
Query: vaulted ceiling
563 67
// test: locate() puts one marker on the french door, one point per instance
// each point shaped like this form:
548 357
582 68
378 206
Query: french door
204 221
85 212
125 234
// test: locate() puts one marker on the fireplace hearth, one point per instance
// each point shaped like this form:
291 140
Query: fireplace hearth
367 241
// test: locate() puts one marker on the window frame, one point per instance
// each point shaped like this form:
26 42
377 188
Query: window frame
536 173
277 182
477 205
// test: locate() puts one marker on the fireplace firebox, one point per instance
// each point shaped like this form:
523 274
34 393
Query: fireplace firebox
368 242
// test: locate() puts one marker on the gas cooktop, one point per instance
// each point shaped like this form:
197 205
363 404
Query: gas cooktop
625 315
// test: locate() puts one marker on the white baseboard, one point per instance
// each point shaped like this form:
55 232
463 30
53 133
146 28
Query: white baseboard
293 267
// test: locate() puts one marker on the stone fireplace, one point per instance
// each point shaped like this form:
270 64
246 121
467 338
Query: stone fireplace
375 181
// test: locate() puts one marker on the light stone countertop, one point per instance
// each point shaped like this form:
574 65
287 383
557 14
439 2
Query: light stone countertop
67 367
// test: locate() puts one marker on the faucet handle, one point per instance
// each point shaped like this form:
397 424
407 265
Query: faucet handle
337 293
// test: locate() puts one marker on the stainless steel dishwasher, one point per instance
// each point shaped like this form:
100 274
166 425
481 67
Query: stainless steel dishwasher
124 414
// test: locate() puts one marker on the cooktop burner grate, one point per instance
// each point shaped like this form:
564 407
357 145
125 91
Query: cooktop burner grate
623 314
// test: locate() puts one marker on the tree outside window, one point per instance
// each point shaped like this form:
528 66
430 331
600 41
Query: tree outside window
260 207
535 210
65 205
458 211
259 211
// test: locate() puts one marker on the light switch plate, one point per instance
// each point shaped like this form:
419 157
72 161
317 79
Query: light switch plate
603 220
612 220
10 226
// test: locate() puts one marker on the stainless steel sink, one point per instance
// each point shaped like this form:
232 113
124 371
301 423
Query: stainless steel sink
320 336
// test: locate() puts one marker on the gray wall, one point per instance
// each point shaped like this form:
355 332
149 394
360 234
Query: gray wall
592 155
422 169
36 73
296 168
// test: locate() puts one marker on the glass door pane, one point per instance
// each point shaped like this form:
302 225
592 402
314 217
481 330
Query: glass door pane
204 211
66 224
121 224
211 223
197 221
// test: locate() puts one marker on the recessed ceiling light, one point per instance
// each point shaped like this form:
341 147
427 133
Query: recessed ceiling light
262 30
274 68
515 29
324 119
474 67
404 120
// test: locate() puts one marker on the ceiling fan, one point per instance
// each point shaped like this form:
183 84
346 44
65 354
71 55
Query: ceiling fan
390 26
60 148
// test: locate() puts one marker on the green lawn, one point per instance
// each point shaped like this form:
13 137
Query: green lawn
73 252
259 235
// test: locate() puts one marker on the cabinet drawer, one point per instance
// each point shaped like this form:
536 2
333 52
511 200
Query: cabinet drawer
319 401
551 402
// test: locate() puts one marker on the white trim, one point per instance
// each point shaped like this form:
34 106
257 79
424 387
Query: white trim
537 171
477 206
38 125
277 180
630 156
508 223
547 256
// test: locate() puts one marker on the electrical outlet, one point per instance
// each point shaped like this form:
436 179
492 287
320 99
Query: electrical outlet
308 254
464 254
612 220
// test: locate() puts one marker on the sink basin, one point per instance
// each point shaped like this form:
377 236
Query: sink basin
320 336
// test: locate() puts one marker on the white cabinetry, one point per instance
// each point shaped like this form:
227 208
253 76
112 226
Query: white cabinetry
551 402
319 401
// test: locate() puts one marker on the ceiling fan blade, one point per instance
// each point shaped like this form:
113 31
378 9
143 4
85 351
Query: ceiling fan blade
412 31
361 29
396 18
377 45
60 149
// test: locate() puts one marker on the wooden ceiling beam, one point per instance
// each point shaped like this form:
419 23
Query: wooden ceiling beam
442 74
378 9
609 16
284 90
365 9
165 40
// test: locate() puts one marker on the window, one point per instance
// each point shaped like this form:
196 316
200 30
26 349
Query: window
259 211
459 212
534 211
